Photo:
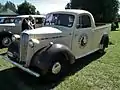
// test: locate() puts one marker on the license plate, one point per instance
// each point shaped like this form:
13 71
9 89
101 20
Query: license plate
9 54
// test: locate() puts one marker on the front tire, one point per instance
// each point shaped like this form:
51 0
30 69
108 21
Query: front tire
6 41
58 68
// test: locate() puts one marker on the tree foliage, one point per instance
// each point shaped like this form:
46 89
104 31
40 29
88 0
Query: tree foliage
68 6
38 13
9 5
102 10
26 8
1 6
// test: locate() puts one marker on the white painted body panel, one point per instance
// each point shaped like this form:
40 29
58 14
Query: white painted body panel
43 30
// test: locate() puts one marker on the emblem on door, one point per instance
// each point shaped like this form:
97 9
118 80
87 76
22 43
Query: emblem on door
83 40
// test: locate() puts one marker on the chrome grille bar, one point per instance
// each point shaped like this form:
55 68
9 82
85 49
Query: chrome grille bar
23 46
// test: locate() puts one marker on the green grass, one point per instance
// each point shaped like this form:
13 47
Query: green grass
3 64
94 72
101 74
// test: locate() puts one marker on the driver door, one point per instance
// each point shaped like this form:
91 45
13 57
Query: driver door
83 36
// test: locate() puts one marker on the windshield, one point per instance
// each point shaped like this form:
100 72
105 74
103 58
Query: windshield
6 20
66 20
1 20
17 20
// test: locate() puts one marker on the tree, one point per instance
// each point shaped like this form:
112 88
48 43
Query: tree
1 7
68 6
38 13
102 10
26 8
10 5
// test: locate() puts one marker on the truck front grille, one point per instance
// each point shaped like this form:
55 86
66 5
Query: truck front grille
14 49
23 46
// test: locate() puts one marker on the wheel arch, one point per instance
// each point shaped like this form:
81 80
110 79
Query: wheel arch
46 53
105 40
64 50
6 33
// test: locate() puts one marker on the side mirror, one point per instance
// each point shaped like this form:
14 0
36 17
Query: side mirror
78 26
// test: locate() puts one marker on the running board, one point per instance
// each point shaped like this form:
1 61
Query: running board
21 67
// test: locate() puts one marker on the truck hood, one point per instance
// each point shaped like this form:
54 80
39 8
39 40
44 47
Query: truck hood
43 30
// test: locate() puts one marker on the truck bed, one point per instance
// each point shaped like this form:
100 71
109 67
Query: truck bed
100 24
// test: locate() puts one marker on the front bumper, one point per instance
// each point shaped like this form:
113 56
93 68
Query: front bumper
21 67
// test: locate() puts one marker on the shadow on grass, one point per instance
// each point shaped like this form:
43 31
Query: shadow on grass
3 53
116 30
16 79
82 62
111 43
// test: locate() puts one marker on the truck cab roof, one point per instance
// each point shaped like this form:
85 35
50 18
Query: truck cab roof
74 11
25 16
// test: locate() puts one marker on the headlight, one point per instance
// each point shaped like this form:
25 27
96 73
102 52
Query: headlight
15 37
31 43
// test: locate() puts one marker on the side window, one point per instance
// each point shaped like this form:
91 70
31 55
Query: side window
84 21
39 20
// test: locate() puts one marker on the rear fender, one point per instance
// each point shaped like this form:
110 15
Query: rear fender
105 40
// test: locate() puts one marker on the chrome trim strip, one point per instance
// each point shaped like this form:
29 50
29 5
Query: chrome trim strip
23 46
21 67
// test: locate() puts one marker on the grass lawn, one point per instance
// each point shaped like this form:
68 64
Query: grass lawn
94 72
3 64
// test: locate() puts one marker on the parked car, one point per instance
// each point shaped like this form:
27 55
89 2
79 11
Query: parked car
4 20
67 35
14 26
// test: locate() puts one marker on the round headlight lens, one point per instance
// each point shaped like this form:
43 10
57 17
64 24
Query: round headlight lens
13 38
31 44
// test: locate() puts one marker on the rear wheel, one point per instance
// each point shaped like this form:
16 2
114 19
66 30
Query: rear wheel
102 48
104 44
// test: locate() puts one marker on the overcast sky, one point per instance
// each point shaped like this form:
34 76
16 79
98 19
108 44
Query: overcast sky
44 6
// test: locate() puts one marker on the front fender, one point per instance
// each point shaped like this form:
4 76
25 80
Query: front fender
6 33
42 58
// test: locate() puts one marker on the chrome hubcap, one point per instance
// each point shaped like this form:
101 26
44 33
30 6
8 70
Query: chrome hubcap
56 68
6 41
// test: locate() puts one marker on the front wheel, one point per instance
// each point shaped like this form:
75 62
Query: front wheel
58 68
6 41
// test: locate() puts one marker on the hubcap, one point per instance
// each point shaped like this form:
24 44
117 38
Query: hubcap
6 41
101 46
56 68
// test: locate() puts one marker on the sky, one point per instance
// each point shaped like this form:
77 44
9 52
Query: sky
44 6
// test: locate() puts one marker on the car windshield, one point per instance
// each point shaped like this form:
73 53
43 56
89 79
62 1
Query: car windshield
6 20
66 20
17 20
1 20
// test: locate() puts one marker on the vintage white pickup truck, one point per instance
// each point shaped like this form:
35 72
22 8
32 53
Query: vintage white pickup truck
13 25
49 50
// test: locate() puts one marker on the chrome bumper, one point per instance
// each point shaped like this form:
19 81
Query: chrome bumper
21 67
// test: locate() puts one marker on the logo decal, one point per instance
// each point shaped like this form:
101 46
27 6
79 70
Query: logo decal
83 40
